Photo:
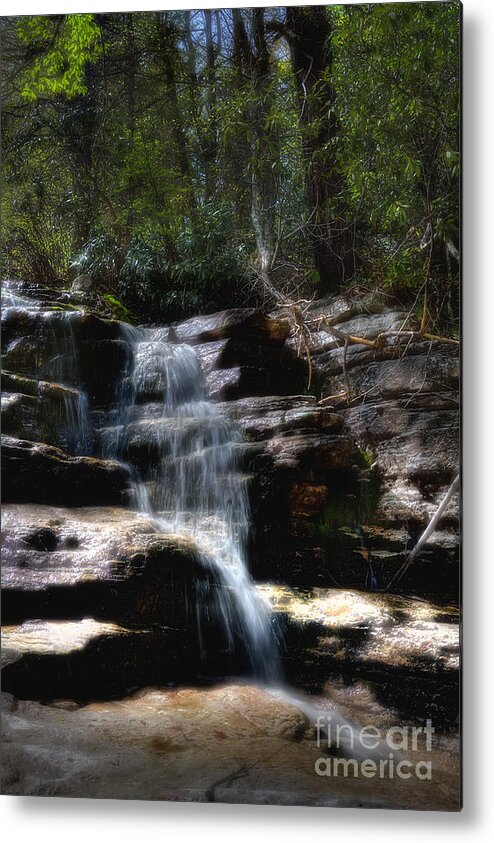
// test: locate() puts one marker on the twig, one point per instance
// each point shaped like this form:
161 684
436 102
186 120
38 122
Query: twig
345 371
333 397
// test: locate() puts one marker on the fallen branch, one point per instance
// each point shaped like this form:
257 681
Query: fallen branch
302 327
435 338
338 395
339 335
426 534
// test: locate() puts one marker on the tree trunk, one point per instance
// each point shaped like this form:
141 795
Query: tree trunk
130 86
80 126
210 143
309 31
255 61
168 56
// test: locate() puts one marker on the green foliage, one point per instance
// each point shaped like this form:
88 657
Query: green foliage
98 259
132 149
397 77
155 276
64 47
209 264
117 309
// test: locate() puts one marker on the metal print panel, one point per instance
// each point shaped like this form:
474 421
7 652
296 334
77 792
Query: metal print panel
230 407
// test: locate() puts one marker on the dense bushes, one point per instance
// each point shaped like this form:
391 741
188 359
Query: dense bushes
203 269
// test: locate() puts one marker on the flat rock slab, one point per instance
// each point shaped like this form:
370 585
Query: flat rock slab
262 417
232 743
99 562
89 659
382 631
56 637
40 473
45 546
303 451
237 322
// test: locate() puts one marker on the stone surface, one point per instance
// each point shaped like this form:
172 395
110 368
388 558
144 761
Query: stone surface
37 410
245 323
226 744
382 632
39 473
73 347
88 659
399 402
262 417
95 562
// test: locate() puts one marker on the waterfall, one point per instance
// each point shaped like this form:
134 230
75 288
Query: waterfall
52 322
190 482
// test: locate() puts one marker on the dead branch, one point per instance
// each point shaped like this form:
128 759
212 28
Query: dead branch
426 534
336 396
302 327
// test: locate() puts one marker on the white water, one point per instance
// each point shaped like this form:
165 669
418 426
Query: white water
192 484
76 433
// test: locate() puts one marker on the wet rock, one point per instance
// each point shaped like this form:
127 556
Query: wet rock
148 441
245 323
232 743
87 659
112 565
368 632
19 293
74 347
35 472
109 565
101 364
37 410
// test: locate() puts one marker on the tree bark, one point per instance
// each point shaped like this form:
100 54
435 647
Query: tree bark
309 31
167 56
254 62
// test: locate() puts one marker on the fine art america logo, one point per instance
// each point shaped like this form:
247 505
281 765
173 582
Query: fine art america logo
376 754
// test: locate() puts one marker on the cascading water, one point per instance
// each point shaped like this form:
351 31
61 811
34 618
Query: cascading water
191 483
76 432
